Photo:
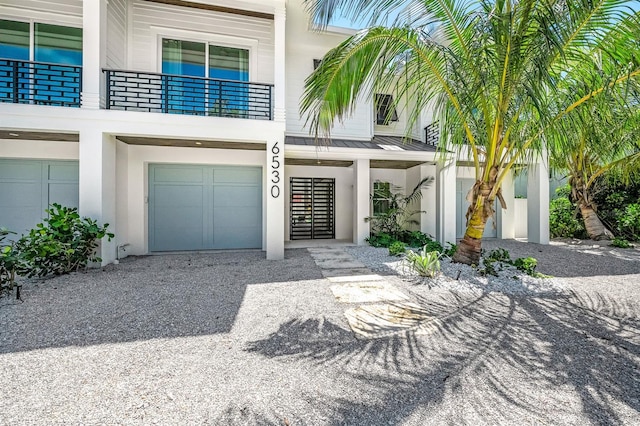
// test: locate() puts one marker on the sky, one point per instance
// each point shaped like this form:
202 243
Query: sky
346 23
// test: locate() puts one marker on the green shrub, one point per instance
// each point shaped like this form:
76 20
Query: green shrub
381 240
417 239
62 244
629 221
451 250
424 263
621 243
397 248
10 261
527 265
562 220
499 255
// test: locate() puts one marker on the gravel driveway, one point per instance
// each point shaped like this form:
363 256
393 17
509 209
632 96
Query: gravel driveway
233 339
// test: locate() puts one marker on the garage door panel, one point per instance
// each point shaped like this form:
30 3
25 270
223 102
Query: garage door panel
237 237
67 172
178 174
12 170
183 195
237 175
65 194
27 187
237 196
219 213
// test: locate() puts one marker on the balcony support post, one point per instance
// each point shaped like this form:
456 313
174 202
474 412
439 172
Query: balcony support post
94 39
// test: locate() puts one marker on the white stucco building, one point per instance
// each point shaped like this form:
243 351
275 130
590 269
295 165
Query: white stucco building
177 123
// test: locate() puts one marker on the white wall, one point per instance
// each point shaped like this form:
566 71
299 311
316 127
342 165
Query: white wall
344 195
520 209
116 34
303 46
61 12
38 150
151 21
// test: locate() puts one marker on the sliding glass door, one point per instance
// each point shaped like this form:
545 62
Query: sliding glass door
57 46
185 61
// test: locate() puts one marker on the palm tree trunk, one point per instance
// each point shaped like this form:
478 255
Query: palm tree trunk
592 223
470 246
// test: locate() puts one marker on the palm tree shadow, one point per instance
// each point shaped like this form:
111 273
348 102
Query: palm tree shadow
506 358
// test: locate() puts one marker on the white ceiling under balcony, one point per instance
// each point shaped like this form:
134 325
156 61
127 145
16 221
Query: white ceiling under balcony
256 8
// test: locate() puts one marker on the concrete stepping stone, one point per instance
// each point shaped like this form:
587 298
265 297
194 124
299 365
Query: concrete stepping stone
367 292
382 320
339 263
365 275
346 272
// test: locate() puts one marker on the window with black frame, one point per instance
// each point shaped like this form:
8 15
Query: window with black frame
385 109
381 195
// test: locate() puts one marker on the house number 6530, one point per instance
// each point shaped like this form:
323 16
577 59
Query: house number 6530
275 173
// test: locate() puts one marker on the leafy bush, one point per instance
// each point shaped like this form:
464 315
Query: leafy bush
629 221
619 206
450 251
424 263
527 265
10 261
398 214
397 248
62 244
496 260
381 240
563 222
621 243
417 239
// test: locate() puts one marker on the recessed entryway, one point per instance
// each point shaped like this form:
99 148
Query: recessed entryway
312 208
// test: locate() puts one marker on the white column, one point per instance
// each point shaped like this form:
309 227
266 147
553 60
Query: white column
274 186
361 188
538 203
507 218
94 41
446 201
97 154
428 203
279 22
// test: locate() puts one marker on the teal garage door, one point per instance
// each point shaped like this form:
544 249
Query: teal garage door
28 187
204 207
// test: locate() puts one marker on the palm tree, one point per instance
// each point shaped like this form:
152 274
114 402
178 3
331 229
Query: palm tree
492 69
606 142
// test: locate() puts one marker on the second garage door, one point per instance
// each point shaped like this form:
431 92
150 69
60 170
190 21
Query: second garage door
204 207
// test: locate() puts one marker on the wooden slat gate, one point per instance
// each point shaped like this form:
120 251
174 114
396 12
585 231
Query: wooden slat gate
312 208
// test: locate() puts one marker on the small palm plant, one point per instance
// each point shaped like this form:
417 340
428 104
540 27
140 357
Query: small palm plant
424 263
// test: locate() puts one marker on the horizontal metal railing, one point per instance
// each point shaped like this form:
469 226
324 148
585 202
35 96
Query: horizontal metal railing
178 94
40 83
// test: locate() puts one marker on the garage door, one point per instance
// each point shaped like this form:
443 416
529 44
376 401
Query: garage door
463 186
204 207
28 187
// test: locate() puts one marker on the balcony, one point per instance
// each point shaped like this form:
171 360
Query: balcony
40 83
186 95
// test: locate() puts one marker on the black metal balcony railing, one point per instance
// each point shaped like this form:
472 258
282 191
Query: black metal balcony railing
432 134
175 94
40 83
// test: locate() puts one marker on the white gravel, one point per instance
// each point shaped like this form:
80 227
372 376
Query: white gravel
233 339
456 276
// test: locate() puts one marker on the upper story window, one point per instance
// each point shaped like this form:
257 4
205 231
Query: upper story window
204 60
50 43
385 109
